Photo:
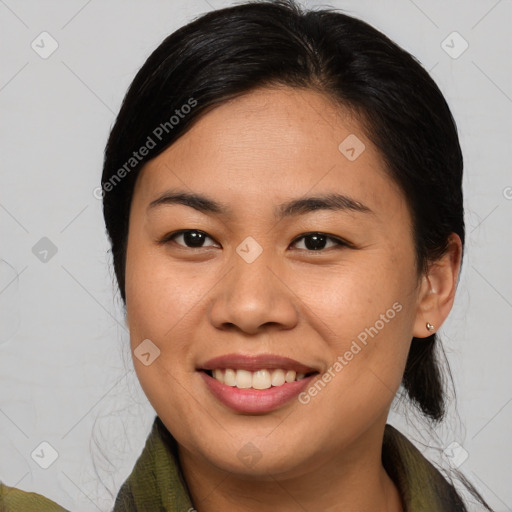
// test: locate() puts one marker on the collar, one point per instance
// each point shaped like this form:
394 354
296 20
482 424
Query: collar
157 483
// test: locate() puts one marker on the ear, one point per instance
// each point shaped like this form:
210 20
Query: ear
437 289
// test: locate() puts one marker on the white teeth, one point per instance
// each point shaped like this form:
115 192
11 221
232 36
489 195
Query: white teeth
243 379
278 378
218 375
229 377
290 376
261 379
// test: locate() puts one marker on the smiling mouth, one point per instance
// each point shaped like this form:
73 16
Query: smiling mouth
259 379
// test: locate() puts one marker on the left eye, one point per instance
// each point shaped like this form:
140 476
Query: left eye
317 241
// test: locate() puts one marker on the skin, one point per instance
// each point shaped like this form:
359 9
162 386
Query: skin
253 153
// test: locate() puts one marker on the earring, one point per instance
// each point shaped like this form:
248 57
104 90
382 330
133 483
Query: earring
430 327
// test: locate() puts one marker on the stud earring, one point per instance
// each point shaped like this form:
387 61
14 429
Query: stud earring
430 327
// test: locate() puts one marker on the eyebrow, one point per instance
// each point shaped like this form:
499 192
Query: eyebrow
300 206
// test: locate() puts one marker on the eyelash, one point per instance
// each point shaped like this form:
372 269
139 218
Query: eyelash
338 241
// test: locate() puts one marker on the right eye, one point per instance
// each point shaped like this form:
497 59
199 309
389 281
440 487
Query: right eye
192 238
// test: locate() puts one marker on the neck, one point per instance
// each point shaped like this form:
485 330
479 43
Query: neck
344 481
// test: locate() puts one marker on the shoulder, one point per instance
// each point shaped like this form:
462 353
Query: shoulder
421 485
16 500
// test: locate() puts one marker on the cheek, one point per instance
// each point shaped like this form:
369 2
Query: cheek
367 313
158 302
158 295
353 297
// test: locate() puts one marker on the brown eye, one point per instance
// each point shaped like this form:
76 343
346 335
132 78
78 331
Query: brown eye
318 241
191 238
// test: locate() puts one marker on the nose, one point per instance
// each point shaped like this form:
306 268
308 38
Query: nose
254 297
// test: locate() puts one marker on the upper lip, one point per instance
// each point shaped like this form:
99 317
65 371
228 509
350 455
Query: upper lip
253 363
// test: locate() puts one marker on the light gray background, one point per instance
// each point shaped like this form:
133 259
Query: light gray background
66 373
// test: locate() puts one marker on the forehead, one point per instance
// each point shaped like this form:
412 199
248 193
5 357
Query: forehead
272 144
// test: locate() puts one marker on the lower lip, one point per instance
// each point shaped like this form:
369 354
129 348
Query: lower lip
255 401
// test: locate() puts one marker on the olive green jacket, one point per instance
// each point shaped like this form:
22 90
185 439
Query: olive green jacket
156 483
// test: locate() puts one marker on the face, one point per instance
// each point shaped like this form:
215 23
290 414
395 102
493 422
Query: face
256 284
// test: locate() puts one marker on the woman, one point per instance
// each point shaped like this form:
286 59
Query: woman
282 192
